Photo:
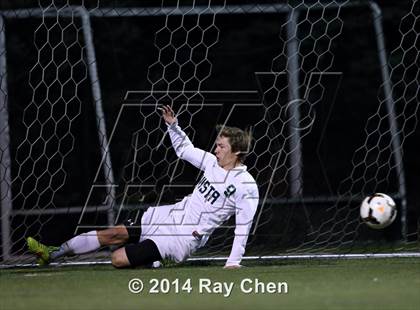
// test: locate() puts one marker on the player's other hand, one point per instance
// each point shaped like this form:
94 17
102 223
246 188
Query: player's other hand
232 266
168 114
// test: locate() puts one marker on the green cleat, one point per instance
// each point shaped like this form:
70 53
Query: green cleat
42 262
40 250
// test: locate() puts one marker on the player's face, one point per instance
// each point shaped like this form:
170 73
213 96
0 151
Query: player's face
225 158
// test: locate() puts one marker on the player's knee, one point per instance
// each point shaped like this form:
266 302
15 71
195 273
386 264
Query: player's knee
119 259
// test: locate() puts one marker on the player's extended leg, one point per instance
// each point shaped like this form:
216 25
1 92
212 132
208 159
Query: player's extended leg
81 244
133 255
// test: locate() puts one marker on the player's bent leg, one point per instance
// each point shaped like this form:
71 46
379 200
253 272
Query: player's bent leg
134 255
113 236
87 242
119 258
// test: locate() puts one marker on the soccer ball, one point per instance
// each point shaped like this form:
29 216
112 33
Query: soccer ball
378 211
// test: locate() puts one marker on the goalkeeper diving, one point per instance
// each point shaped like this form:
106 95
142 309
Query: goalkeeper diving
174 232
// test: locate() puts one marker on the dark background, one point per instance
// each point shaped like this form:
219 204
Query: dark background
346 153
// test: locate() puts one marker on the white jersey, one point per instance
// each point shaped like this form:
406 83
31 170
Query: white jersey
179 229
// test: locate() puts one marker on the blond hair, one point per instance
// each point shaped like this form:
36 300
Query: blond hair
239 140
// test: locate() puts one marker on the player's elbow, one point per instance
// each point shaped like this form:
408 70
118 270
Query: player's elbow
179 150
179 154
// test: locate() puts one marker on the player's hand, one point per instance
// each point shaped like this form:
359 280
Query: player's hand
232 266
168 114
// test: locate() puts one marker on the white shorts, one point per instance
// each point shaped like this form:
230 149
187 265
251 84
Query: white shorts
162 225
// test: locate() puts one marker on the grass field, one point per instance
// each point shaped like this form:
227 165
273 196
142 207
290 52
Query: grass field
316 284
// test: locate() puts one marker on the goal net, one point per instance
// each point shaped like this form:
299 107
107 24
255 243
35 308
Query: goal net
329 94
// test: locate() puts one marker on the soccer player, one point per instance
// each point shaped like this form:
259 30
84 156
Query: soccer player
176 231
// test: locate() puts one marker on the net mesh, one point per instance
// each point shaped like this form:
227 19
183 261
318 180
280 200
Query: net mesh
329 117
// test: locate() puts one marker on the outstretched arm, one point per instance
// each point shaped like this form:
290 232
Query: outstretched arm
246 206
182 144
